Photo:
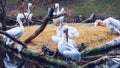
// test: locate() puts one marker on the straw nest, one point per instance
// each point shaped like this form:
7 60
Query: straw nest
92 36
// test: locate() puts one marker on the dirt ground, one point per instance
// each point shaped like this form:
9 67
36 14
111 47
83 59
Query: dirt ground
92 36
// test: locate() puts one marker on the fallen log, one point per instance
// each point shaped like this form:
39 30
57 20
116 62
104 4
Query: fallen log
43 25
96 62
36 57
103 49
100 61
49 60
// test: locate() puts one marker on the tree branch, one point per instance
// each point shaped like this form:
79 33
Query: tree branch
13 38
3 14
43 25
102 49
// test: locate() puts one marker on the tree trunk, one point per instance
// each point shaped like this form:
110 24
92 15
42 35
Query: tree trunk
100 61
103 49
3 14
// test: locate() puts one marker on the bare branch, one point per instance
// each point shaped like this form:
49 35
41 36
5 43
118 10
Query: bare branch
13 38
44 24
3 13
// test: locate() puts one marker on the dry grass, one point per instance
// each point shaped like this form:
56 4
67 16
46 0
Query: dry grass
88 34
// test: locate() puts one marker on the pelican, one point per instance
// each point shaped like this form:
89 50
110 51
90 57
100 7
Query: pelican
58 11
27 14
72 32
66 48
110 23
16 32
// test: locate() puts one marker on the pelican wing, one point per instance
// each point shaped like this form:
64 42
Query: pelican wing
73 32
56 39
15 32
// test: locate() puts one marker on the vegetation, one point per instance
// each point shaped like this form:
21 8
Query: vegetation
101 7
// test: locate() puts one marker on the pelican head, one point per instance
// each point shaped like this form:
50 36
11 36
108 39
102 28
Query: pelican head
98 23
56 5
29 5
72 32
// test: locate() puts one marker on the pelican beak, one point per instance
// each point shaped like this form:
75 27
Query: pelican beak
100 24
66 33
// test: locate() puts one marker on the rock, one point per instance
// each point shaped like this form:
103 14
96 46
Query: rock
101 39
82 46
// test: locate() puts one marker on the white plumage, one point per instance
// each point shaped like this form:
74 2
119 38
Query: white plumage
110 23
16 32
71 32
58 11
29 6
67 46
67 49
28 14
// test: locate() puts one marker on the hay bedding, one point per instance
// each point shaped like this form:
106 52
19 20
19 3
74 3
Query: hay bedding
93 36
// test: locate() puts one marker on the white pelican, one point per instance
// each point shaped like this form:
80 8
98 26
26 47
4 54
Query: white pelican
66 48
110 23
57 12
71 32
16 32
27 14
